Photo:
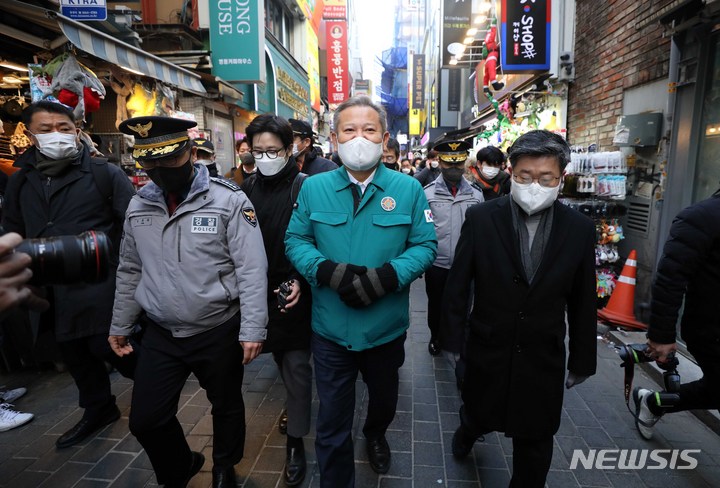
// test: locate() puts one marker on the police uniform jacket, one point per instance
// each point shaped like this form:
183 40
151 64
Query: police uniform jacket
392 224
194 270
69 204
517 329
448 214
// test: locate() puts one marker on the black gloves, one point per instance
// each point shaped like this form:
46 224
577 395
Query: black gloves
358 286
368 286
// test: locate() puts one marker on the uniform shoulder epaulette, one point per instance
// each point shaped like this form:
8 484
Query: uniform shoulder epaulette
429 185
226 183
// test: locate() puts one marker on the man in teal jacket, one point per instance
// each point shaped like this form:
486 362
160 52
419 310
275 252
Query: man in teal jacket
360 235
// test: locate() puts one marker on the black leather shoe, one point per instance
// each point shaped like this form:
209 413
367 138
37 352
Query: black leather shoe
282 423
87 426
433 348
378 453
462 442
195 466
295 466
224 477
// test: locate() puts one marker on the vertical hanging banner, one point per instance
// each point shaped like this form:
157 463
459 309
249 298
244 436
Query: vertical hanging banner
525 36
335 9
418 82
337 61
237 40
313 11
456 22
313 68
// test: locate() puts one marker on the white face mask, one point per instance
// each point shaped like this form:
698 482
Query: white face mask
490 172
406 171
206 162
57 145
434 164
270 166
296 151
359 154
533 198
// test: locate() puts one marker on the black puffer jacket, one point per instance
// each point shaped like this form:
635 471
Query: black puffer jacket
689 267
428 175
272 198
314 164
37 206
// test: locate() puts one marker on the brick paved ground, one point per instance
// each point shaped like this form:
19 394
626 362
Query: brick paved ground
594 416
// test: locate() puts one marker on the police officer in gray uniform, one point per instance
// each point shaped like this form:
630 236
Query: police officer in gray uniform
193 272
449 196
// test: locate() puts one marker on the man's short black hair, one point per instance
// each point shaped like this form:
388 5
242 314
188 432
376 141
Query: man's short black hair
538 143
490 155
394 146
273 124
45 106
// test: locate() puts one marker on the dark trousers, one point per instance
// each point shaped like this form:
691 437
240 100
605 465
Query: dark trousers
165 362
85 359
435 279
296 374
336 370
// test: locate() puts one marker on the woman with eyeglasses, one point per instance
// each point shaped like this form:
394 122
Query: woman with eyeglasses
273 191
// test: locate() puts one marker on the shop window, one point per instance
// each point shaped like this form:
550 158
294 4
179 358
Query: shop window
707 175
280 22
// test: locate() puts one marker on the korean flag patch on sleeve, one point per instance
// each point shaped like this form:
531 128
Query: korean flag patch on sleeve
429 216
249 215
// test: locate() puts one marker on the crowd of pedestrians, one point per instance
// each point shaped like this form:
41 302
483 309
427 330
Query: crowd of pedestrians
291 255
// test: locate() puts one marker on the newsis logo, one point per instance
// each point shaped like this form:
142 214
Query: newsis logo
634 458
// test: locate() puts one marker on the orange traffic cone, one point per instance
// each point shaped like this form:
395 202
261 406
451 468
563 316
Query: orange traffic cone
619 310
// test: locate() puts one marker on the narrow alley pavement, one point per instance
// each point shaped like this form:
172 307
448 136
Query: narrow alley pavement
594 416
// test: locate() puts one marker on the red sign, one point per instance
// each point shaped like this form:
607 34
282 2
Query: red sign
337 61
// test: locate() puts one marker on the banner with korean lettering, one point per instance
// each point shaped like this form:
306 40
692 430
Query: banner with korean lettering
456 22
337 61
525 36
335 9
418 82
237 40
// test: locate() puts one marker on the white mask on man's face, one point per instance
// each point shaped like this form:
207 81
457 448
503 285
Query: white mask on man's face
434 164
360 154
57 145
533 197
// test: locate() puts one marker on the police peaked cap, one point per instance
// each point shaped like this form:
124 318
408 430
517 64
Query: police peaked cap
157 137
452 151
203 144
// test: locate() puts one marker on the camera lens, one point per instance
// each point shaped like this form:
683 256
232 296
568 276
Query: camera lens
68 259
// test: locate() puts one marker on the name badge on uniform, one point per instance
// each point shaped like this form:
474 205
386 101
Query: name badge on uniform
429 216
140 221
204 224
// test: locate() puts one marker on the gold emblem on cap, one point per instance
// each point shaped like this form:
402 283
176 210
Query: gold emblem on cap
453 146
199 142
142 130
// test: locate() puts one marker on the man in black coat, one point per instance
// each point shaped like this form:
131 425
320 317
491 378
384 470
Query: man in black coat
689 268
58 192
532 261
306 156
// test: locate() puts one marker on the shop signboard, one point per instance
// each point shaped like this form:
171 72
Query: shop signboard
456 22
362 87
313 11
335 9
337 61
313 68
84 9
418 82
525 36
237 40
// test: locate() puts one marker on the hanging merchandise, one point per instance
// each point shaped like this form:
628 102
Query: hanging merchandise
19 142
142 102
490 54
121 84
71 83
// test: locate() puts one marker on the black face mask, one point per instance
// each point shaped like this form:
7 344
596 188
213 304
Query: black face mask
392 166
171 180
452 175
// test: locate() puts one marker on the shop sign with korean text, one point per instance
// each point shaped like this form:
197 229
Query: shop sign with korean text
84 9
335 9
525 36
313 11
237 40
456 22
337 61
418 82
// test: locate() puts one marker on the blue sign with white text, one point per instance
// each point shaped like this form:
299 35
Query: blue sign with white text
84 9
